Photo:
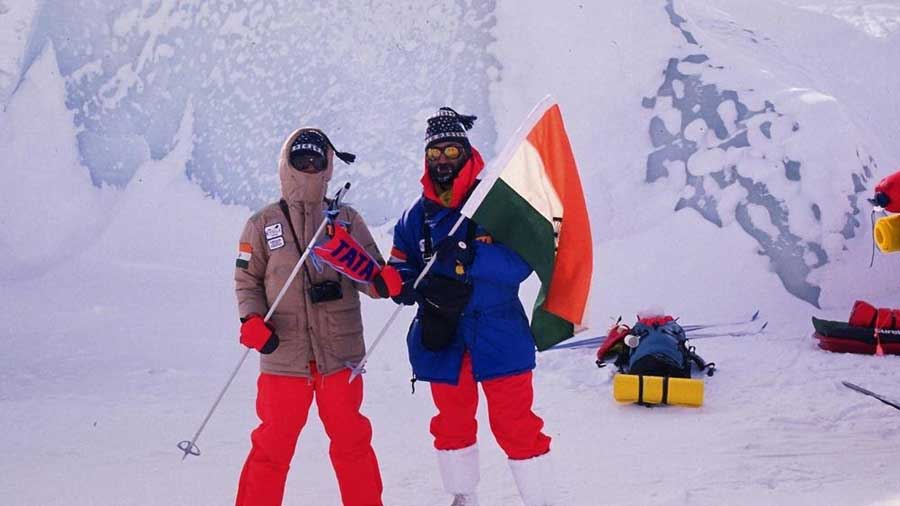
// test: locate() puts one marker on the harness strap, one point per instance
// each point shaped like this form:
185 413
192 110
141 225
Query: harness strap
287 215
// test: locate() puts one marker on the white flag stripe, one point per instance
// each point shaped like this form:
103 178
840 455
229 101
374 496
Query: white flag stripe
490 173
525 174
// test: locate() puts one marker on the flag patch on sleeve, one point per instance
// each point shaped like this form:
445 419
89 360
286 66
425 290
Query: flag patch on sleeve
245 252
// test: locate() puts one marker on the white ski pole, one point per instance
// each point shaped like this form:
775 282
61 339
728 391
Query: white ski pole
189 447
360 368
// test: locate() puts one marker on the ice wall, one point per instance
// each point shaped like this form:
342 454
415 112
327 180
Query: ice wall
368 73
672 106
48 208
16 22
743 158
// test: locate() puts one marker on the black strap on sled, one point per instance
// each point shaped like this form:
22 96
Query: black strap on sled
665 391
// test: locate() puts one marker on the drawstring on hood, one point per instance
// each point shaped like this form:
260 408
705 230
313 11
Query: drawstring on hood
299 186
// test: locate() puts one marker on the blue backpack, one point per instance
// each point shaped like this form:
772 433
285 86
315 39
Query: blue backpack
662 350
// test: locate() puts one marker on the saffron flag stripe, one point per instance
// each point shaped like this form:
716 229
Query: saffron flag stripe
568 296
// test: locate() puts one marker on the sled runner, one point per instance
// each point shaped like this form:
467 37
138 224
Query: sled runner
841 337
869 331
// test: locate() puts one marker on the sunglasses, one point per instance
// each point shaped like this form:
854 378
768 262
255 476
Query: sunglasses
304 162
451 152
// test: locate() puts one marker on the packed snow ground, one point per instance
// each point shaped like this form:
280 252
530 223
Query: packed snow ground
119 324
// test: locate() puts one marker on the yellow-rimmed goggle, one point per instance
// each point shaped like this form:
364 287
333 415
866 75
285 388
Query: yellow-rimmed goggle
451 152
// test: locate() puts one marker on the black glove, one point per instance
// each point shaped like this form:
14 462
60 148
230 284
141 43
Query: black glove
453 253
408 295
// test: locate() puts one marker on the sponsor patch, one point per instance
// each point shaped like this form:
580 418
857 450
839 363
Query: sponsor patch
276 243
245 253
273 231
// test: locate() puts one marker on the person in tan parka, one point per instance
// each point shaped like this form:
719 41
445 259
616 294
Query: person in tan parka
313 336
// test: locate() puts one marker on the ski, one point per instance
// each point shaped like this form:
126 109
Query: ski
688 328
690 332
584 343
737 333
851 386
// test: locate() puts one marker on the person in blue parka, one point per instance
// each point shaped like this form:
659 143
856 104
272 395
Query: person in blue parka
470 326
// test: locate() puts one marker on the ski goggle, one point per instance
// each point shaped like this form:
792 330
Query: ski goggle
308 163
452 152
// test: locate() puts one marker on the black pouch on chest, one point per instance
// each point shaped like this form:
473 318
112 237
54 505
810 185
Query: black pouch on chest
444 299
442 307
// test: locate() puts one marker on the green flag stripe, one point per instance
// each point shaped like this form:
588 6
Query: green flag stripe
549 329
513 222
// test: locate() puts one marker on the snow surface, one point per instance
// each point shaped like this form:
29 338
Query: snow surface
119 323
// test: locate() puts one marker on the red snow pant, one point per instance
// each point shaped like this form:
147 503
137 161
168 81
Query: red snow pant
509 399
282 405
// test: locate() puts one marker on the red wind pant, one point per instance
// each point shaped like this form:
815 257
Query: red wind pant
509 399
282 404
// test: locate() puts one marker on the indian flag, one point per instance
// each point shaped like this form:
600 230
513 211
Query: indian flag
530 199
245 253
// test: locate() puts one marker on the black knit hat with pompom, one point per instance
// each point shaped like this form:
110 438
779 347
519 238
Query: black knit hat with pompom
448 125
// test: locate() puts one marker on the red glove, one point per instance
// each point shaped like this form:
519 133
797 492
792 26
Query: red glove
388 282
257 334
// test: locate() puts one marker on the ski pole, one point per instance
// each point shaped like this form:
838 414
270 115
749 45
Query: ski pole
189 447
359 368
872 394
707 335
688 328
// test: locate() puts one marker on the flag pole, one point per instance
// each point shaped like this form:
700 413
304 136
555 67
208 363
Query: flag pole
492 171
360 367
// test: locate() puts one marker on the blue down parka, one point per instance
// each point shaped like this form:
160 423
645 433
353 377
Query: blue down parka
493 327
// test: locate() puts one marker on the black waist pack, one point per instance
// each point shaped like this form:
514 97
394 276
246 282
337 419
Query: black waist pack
443 302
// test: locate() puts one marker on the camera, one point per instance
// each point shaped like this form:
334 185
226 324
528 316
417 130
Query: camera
325 291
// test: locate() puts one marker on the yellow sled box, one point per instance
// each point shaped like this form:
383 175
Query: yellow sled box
658 390
887 233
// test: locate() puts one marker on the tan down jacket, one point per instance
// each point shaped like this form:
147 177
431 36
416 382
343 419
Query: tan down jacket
329 333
